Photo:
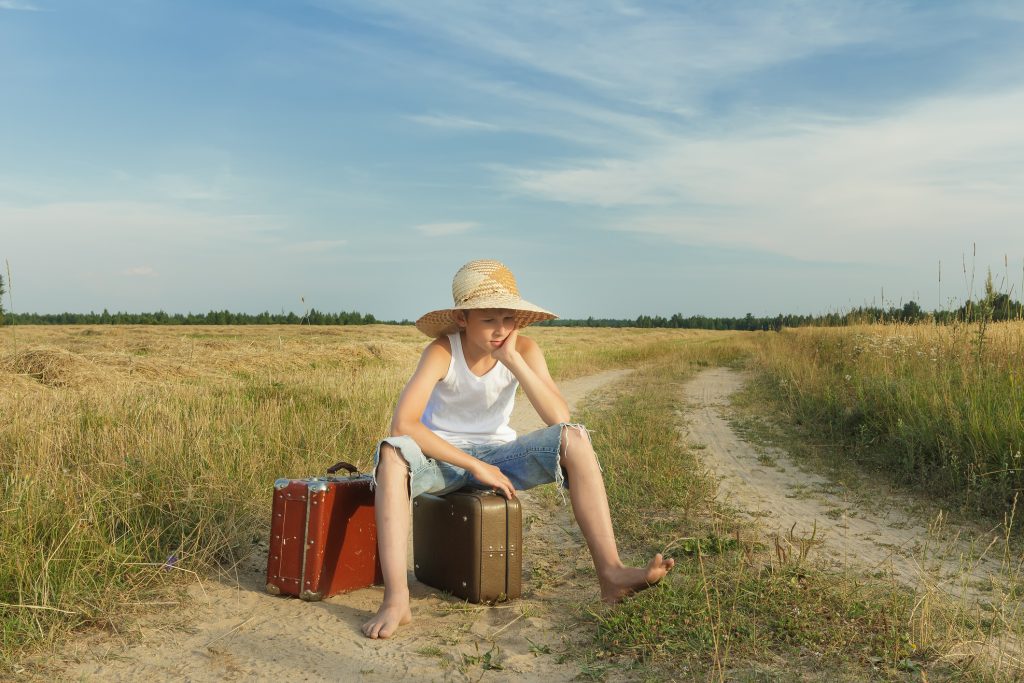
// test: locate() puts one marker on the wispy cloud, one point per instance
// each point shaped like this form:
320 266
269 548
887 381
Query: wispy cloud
315 246
100 225
139 271
944 172
663 58
181 186
16 6
443 229
453 122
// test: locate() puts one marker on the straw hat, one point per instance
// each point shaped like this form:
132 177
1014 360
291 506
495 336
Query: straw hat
482 284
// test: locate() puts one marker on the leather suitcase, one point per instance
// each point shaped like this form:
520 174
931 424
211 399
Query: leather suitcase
469 543
323 536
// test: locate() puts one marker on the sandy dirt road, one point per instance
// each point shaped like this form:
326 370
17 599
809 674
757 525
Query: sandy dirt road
233 630
878 531
894 533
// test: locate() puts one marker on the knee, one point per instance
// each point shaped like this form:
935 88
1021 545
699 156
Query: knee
576 448
391 463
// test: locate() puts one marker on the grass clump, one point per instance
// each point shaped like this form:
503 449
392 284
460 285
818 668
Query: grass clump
736 613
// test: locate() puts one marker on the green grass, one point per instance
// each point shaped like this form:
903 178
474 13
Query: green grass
735 608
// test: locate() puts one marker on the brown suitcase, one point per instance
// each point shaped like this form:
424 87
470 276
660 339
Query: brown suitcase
469 543
323 536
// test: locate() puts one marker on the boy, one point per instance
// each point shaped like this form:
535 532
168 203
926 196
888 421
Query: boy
450 429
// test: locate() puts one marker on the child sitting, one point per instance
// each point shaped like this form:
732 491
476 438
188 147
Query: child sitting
451 429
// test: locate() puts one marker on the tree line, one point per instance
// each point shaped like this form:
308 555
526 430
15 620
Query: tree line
999 307
225 317
993 306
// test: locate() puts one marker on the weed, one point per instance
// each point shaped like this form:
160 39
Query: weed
488 661
538 648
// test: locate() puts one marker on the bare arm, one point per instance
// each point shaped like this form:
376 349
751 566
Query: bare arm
408 419
526 361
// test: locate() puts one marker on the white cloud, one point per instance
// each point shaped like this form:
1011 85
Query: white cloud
180 186
76 255
947 171
453 122
662 58
315 246
442 229
139 271
86 229
19 6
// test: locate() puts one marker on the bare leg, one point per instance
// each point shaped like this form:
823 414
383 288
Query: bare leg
590 506
392 513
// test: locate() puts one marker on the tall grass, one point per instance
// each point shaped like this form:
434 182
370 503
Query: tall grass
741 605
734 608
941 408
134 456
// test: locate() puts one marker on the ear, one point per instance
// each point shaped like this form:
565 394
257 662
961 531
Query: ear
461 319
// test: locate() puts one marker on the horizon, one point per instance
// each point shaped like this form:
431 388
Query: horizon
868 307
617 156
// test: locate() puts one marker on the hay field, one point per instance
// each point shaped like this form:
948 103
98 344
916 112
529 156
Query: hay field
131 455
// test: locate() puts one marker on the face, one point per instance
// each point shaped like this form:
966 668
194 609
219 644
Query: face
487 328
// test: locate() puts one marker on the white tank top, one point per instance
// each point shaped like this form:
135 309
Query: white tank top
466 409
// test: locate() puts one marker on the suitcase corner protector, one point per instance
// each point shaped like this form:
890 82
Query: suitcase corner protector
311 596
273 589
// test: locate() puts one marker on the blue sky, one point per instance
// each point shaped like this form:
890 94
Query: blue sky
621 157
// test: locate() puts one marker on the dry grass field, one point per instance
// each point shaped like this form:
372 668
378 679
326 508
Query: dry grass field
133 458
128 451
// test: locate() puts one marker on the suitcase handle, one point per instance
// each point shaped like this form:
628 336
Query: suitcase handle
342 466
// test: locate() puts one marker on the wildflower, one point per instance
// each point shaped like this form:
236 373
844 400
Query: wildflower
169 564
848 378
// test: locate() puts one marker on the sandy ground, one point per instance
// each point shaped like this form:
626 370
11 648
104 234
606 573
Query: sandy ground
873 529
234 630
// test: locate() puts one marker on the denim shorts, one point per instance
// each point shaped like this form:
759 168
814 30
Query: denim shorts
531 460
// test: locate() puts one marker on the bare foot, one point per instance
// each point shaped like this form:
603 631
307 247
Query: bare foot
389 617
622 581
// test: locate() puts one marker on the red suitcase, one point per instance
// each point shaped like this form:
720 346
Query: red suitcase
323 536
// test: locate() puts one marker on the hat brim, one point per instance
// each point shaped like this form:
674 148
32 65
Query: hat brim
442 322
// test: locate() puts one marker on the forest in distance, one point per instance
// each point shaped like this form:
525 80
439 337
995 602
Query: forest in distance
992 306
998 308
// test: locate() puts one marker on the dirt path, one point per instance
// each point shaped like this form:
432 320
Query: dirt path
236 631
892 533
